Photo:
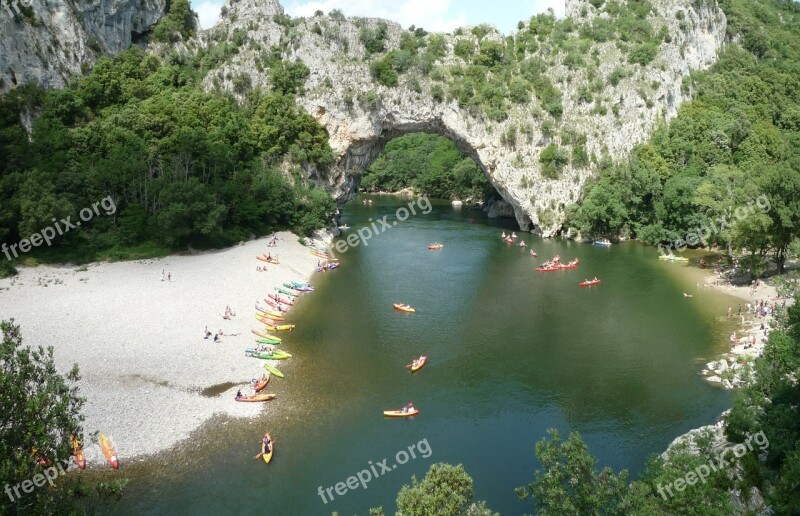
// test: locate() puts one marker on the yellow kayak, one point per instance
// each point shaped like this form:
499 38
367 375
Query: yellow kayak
270 314
267 456
283 327
265 335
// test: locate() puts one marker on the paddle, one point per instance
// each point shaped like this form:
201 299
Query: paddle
271 444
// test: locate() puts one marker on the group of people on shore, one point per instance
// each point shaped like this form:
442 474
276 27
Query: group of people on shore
168 276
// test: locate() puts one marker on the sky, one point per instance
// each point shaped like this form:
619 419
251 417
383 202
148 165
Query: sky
432 15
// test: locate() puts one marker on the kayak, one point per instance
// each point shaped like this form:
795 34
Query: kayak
268 356
256 398
274 370
109 451
267 456
672 258
605 243
400 413
547 269
287 292
266 320
589 283
270 336
279 299
262 258
271 342
270 313
274 351
267 336
571 265
404 308
77 453
420 364
262 383
275 327
434 247
271 303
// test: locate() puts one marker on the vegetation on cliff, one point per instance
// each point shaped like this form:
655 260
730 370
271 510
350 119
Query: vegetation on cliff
431 165
183 167
737 140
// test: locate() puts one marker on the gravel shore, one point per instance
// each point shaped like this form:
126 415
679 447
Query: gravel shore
139 341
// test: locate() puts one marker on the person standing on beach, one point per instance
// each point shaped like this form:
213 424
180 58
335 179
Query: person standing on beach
169 276
740 310
730 311
162 274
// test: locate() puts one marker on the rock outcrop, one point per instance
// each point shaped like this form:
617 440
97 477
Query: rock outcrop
361 115
48 41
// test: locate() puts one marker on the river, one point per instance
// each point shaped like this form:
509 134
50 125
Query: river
512 353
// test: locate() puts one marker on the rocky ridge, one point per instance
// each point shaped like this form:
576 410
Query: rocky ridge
48 41
361 115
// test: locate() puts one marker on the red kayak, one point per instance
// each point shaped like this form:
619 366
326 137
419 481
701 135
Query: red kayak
589 283
547 269
279 300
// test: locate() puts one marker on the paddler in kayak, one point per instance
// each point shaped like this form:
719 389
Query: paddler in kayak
267 445
408 408
504 235
522 244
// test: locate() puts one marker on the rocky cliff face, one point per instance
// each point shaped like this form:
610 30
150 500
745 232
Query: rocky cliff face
47 41
361 115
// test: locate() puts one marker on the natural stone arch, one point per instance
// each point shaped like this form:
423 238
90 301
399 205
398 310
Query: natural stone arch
360 115
344 183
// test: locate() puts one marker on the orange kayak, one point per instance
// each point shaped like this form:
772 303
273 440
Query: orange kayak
258 398
589 283
77 453
403 308
262 383
109 451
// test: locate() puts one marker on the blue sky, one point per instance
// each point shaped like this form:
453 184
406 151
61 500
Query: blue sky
434 15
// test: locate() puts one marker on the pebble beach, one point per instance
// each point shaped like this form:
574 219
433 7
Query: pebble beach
139 340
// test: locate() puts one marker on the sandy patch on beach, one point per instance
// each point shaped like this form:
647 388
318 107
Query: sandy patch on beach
139 341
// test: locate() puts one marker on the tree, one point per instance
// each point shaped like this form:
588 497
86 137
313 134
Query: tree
40 411
446 490
782 188
569 482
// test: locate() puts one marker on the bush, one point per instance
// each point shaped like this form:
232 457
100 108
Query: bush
464 49
374 40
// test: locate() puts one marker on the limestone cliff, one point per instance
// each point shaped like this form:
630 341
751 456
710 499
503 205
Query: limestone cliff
48 41
361 115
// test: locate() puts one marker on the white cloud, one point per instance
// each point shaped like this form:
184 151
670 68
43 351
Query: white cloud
558 6
433 15
208 12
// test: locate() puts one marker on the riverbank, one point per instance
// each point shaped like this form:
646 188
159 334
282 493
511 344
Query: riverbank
755 316
148 375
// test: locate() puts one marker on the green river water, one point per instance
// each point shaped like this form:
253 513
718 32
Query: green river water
512 353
